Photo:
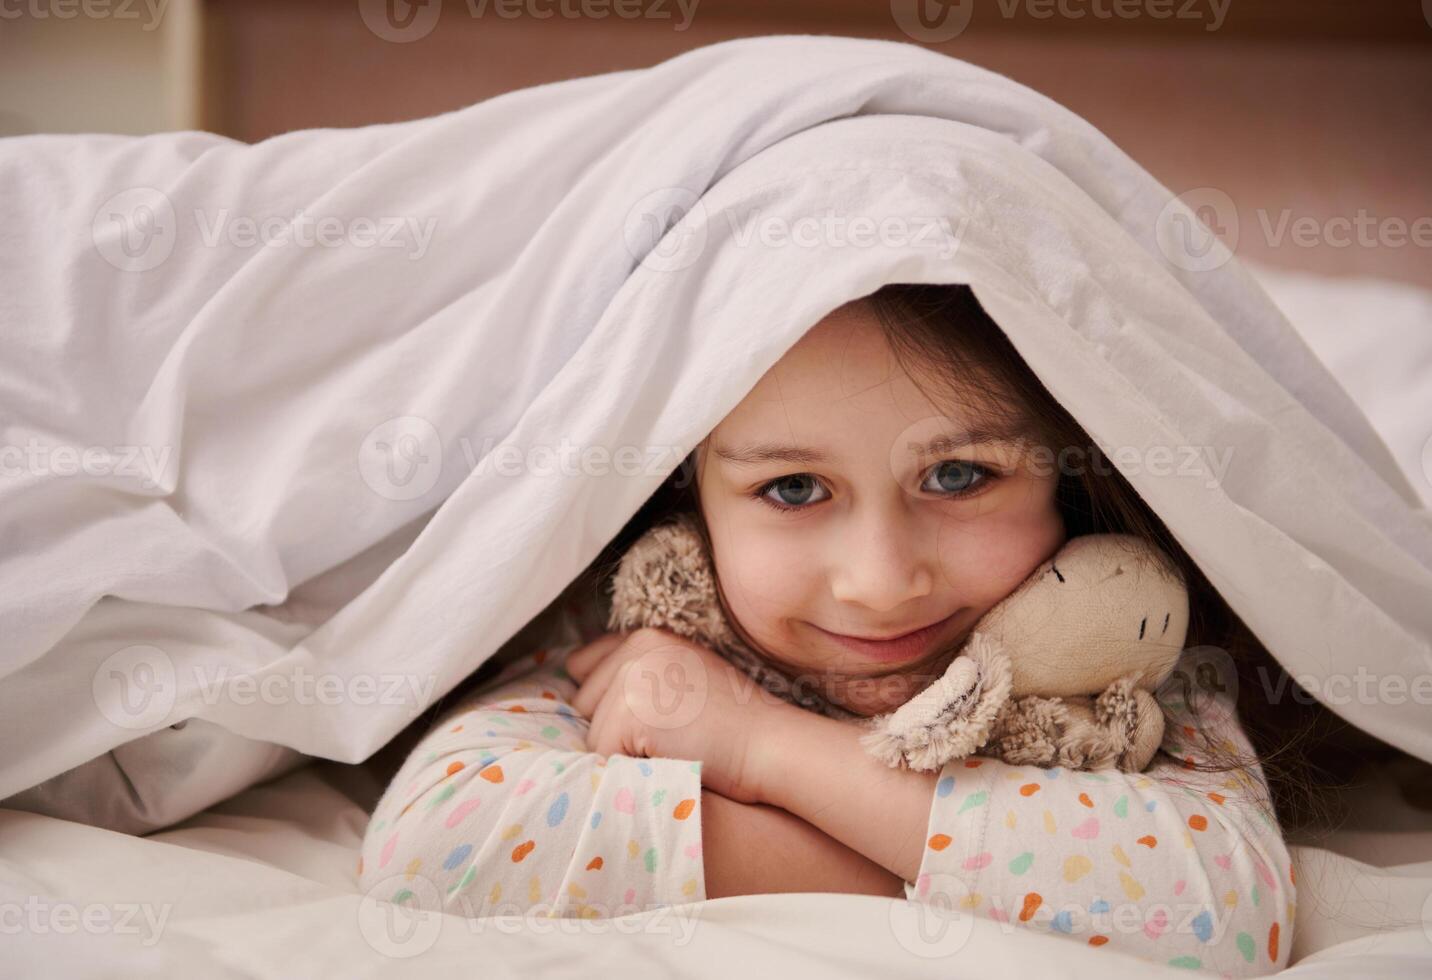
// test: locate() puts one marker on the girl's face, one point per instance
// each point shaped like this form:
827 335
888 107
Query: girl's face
830 524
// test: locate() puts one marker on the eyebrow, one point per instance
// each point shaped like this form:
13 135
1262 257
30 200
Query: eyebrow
767 452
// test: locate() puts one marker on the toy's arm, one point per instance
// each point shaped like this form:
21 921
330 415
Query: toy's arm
1121 729
950 719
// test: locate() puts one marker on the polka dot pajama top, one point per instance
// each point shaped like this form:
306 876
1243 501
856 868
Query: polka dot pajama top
501 810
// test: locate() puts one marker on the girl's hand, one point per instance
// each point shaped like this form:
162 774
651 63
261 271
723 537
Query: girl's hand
651 693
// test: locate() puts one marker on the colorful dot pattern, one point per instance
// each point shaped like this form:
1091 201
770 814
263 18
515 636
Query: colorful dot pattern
1176 865
504 811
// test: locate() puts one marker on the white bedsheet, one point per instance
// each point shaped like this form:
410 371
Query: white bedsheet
1375 336
264 885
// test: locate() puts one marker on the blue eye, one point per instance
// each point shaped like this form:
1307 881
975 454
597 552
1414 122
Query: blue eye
953 479
804 485
957 477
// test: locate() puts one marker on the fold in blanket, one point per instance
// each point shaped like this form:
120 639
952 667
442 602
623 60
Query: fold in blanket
228 371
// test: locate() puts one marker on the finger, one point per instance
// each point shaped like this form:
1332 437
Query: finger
581 662
602 737
600 742
606 733
592 690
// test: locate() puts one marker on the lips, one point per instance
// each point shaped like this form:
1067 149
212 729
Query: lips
896 649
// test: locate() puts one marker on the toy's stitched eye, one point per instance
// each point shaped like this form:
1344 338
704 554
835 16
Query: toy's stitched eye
1142 623
1055 569
1165 628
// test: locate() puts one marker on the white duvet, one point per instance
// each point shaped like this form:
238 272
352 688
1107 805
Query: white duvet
297 434
264 885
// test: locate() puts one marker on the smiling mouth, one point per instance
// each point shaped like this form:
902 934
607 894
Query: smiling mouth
897 649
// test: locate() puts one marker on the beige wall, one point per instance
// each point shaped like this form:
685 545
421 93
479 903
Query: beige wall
1311 112
123 67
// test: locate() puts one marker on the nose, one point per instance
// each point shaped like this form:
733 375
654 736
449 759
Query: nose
881 561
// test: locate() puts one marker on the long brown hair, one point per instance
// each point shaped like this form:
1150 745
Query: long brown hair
941 333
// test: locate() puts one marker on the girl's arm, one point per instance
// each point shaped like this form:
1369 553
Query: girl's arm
1181 866
816 768
755 849
500 808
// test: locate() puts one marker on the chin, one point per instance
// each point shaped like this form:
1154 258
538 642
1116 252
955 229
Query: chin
885 697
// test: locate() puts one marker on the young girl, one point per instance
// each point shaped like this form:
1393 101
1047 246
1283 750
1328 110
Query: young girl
836 524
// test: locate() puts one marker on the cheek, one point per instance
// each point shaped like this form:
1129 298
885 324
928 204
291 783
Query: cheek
985 559
764 583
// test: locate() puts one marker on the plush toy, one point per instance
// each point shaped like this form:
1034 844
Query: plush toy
1059 673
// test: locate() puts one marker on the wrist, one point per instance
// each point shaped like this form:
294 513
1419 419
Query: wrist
769 754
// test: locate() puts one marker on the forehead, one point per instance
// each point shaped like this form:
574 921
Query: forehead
841 374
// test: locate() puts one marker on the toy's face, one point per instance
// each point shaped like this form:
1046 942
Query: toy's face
1097 610
872 539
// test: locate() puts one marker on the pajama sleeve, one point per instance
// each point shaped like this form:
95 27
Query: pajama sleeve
1177 865
501 810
